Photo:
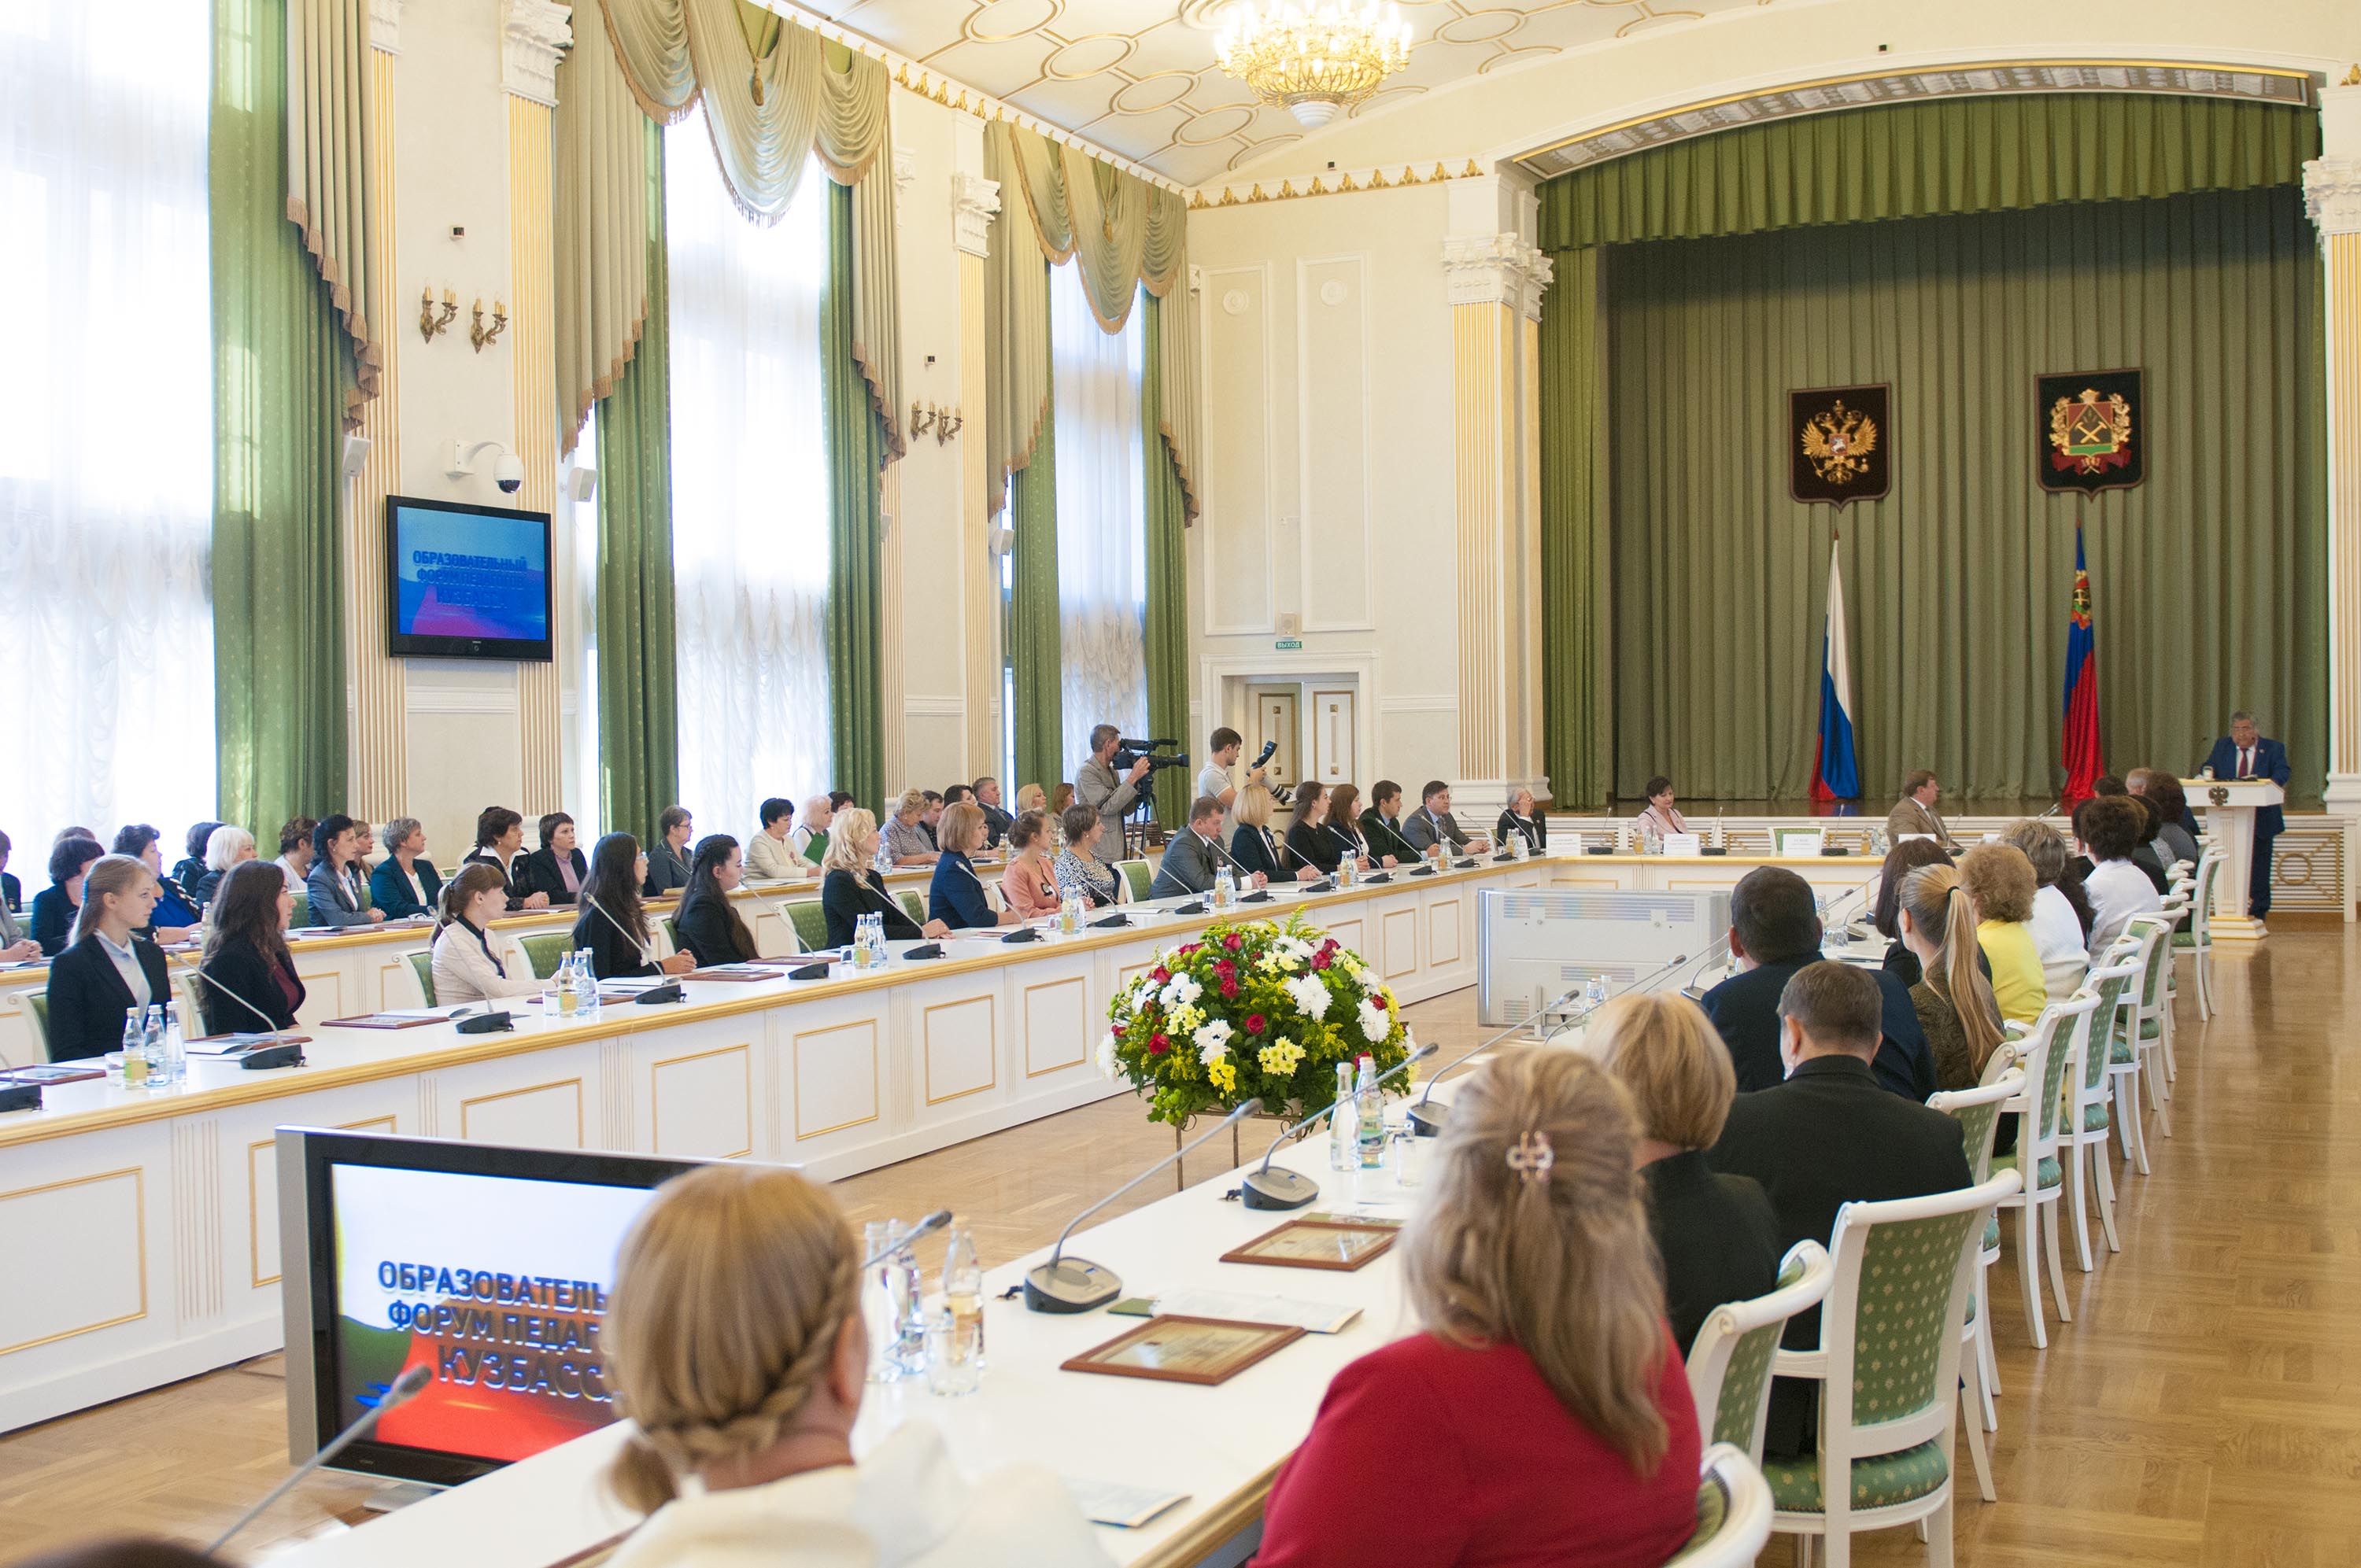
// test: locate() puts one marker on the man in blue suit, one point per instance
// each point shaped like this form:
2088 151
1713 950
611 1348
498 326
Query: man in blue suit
2244 753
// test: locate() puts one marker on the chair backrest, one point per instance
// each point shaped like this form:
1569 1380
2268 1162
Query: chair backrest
1729 1365
2043 1053
915 904
1890 1330
2105 982
544 949
2201 897
1137 878
1977 1110
36 1006
300 915
422 964
670 931
1734 1508
2153 932
810 921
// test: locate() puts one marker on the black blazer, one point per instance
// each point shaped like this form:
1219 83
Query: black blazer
12 892
996 824
88 1001
1385 840
708 932
390 890
667 873
1716 1237
1830 1136
512 873
241 969
1190 862
1745 1009
613 955
844 898
1255 850
1536 832
188 873
540 874
53 917
1314 846
956 897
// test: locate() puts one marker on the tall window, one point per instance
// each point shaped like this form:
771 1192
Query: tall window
749 490
106 683
1102 518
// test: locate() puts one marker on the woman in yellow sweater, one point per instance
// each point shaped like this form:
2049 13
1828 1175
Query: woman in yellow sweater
2001 882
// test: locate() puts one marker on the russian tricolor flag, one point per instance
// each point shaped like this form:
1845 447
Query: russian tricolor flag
1835 774
2080 751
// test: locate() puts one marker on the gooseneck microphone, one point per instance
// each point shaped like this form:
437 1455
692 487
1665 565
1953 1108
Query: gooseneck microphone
1267 1189
670 990
926 1227
405 1389
1427 1116
280 1052
1074 1285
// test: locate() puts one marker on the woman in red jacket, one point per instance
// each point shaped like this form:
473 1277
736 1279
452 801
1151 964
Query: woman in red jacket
1543 1401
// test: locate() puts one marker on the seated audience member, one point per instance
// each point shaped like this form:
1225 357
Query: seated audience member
108 972
2108 784
2057 929
297 850
1658 817
16 946
908 841
2109 827
1078 867
12 892
1716 1235
1542 1379
996 822
499 843
735 1338
1381 825
839 799
1828 1135
956 897
613 923
1308 844
931 818
335 883
229 848
466 966
1432 820
952 794
1029 886
849 886
57 907
1915 813
668 861
2149 857
247 960
176 911
1344 829
364 848
1900 861
1520 818
1955 1003
769 855
1252 846
2175 842
556 868
1060 799
1029 798
190 868
2001 883
810 838
711 931
1775 931
405 882
1193 855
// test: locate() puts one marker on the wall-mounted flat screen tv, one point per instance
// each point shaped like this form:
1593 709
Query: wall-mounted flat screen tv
465 581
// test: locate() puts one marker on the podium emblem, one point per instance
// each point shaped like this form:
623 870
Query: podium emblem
2217 795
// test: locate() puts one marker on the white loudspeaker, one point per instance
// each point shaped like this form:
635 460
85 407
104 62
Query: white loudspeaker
356 451
581 483
1000 540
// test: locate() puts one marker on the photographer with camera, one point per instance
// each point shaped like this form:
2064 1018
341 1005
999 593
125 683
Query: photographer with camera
1214 782
1117 779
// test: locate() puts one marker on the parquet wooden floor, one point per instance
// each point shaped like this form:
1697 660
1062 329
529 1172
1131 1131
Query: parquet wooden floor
2203 1407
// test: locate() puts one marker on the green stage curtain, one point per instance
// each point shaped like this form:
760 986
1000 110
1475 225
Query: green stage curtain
1034 629
1168 567
639 725
2208 580
1981 155
282 362
1576 648
857 446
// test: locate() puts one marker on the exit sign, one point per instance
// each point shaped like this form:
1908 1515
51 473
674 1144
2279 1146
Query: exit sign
1289 644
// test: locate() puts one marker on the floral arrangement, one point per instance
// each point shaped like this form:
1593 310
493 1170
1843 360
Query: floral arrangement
1250 1009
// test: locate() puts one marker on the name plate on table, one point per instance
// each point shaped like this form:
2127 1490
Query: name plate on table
1797 840
1683 844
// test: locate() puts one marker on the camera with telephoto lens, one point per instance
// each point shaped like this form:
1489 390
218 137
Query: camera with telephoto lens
1158 755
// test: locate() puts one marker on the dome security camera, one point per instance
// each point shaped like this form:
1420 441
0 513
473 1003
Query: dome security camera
508 474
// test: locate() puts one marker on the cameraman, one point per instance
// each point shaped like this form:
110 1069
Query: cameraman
1098 787
1215 781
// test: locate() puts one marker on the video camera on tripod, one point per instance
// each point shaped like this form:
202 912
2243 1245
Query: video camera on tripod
1159 755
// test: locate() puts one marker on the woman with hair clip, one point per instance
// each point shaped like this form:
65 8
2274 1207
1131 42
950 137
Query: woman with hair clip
1900 861
734 1341
1308 842
246 956
1544 1397
109 971
708 924
613 923
465 966
1953 999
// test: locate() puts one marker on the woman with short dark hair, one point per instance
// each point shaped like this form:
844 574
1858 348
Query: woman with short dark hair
499 843
56 906
556 868
668 857
190 868
337 886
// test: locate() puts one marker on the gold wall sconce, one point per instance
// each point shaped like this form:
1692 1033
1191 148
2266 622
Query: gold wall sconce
944 423
480 335
429 322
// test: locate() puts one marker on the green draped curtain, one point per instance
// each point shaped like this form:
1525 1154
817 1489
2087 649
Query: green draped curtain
639 731
1825 179
2207 580
857 447
1167 562
1035 651
281 363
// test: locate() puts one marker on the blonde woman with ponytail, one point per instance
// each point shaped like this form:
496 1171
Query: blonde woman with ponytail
1544 1398
1953 1000
734 1341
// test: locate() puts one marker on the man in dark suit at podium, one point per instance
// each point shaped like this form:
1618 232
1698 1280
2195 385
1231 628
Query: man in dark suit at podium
2244 753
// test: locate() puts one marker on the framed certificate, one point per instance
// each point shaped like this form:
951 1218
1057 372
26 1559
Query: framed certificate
1170 1349
1345 1245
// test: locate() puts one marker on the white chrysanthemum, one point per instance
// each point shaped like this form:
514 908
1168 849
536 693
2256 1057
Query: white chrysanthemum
1181 991
1376 1022
1106 1054
1214 1039
1311 995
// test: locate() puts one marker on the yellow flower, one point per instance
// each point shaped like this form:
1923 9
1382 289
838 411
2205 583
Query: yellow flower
1223 1074
1280 1056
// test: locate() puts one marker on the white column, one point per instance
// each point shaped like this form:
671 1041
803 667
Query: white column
2332 186
974 201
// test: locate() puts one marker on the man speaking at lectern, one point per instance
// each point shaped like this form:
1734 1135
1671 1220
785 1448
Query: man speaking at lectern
2244 753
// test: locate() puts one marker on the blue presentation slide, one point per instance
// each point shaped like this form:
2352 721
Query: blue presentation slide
472 575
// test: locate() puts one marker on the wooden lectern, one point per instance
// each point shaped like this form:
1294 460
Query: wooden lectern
2229 806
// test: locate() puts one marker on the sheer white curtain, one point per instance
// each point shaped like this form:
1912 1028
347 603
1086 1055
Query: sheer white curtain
106 643
1102 518
749 490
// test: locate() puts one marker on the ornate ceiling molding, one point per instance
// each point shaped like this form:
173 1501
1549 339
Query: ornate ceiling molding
1247 192
533 33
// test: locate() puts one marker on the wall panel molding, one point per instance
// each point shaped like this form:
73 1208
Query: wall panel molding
532 370
378 732
1333 425
1241 511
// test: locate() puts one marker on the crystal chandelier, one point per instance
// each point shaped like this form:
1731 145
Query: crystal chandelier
1314 60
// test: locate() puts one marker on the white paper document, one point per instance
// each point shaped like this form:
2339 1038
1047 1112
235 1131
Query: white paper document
1287 1311
1110 1502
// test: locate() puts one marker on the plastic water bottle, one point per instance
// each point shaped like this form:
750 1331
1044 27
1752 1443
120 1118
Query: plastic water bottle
1225 888
878 1311
1070 912
1349 869
1344 1123
135 1051
151 1044
963 1286
1372 1127
569 994
909 1313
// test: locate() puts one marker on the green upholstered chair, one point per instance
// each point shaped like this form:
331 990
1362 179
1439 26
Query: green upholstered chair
2139 1027
1888 1365
1978 1112
1730 1363
35 1004
300 915
2156 1030
1134 877
422 964
810 921
1733 1512
2198 940
914 903
544 950
2088 1122
2042 1050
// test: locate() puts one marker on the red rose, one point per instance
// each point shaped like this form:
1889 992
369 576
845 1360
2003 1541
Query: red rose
1257 1023
1320 958
1234 941
1159 975
1158 1046
1229 990
1226 968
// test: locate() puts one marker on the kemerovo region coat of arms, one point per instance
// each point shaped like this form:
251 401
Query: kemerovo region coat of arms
1843 449
2091 431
